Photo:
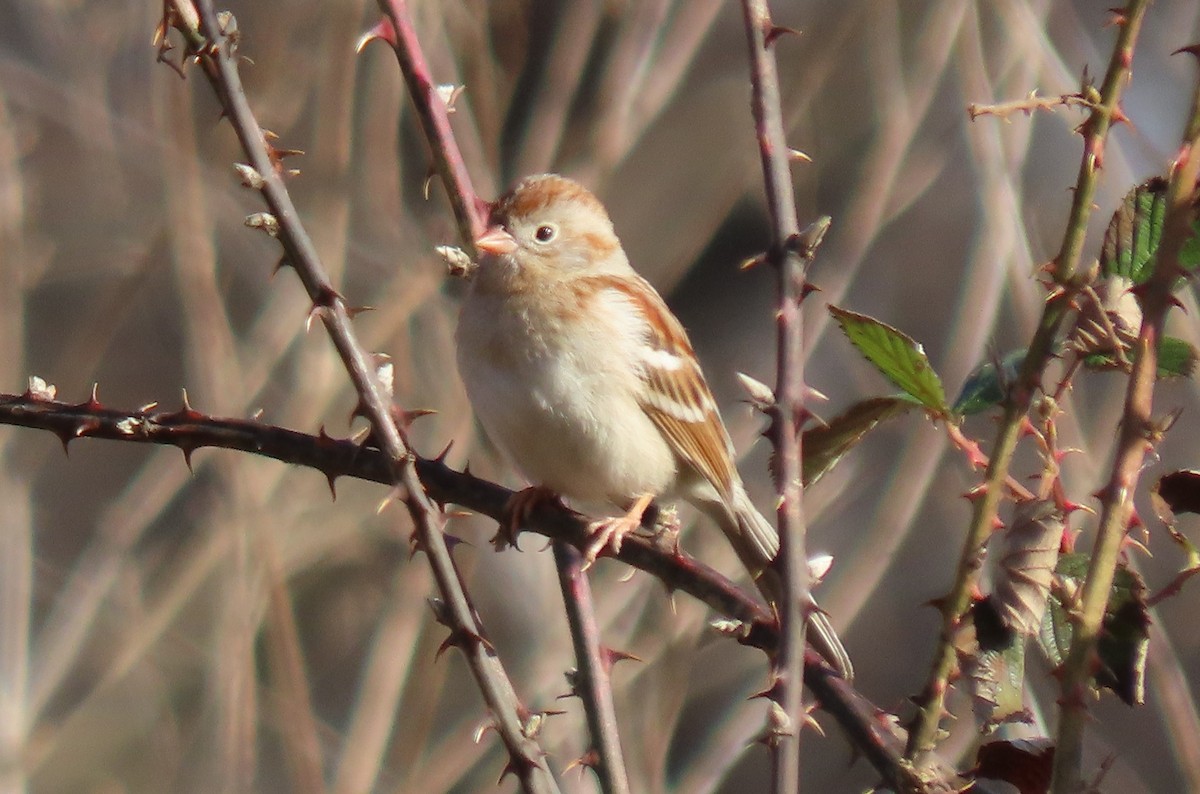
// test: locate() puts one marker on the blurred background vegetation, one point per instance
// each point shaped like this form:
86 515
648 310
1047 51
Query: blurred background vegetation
167 630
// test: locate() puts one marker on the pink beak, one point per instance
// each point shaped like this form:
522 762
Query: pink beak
496 241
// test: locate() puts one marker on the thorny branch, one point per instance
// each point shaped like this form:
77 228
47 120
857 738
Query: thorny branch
787 717
215 50
924 728
867 727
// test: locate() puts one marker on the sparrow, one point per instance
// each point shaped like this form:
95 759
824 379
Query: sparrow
585 380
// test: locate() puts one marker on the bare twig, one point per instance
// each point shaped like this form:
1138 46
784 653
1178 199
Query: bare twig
592 679
218 58
786 724
1029 104
1138 435
923 731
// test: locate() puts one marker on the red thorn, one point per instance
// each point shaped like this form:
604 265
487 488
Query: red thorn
441 456
1117 17
453 541
773 692
777 31
977 492
611 656
187 456
1191 49
354 311
997 524
331 479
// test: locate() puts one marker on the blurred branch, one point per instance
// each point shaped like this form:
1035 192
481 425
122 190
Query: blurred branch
218 58
792 562
1139 434
924 729
592 678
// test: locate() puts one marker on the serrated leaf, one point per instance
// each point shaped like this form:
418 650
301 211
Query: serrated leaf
996 681
986 386
1132 237
1124 636
896 355
1176 359
823 447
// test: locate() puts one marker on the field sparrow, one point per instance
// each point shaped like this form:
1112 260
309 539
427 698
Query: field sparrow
579 372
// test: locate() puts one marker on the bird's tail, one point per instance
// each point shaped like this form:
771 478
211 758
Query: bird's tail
757 543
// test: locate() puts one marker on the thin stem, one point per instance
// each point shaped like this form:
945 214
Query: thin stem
1138 435
789 396
592 680
435 123
923 731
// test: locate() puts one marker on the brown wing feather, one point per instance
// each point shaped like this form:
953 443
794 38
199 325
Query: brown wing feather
677 399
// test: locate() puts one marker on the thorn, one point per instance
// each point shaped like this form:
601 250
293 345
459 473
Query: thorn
795 155
611 656
428 183
754 261
314 313
762 397
481 731
392 496
187 457
773 693
354 311
441 456
589 760
280 265
976 493
776 31
331 479
1191 49
383 31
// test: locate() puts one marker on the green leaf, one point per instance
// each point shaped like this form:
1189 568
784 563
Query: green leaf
1176 359
823 447
1131 241
896 355
986 387
1132 238
1124 635
1189 254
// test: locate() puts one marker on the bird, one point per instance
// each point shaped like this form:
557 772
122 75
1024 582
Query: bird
584 379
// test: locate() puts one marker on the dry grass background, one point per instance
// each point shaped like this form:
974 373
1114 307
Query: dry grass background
150 616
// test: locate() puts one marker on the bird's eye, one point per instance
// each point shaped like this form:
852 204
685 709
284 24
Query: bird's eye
545 233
